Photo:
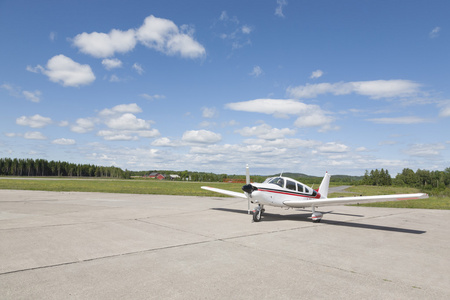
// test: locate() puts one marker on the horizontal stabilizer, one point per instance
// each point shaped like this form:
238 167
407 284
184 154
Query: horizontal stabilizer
349 200
225 192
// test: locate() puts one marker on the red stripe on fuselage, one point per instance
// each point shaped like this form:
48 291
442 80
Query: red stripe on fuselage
287 193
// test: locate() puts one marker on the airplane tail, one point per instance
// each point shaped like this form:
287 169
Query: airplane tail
323 188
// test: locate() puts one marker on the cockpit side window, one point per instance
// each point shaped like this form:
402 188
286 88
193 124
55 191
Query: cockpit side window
278 181
300 188
307 190
290 185
267 180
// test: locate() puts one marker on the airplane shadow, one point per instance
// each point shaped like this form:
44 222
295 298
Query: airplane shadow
306 217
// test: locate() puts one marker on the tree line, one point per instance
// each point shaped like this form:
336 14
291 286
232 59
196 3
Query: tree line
418 179
42 167
435 182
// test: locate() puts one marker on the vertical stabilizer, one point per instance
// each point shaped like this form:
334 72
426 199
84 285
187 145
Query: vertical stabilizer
323 188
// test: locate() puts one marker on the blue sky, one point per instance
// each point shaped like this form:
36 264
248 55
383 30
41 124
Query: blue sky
298 86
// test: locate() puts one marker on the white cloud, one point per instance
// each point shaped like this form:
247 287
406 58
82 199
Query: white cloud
201 136
18 93
120 109
109 135
165 142
445 110
272 106
236 34
162 142
36 121
374 89
230 123
127 135
316 74
266 132
152 97
138 68
52 36
279 8
308 115
63 141
333 147
257 71
127 121
32 96
435 32
152 133
114 78
223 16
246 29
361 149
62 69
83 125
13 91
34 135
124 125
209 112
164 36
113 63
102 45
156 33
288 143
398 120
425 150
315 119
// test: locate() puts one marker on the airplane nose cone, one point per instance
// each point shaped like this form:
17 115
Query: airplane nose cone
248 188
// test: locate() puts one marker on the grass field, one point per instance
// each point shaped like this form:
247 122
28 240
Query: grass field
193 189
430 203
116 186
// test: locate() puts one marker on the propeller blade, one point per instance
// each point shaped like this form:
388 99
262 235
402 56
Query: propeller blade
247 175
247 180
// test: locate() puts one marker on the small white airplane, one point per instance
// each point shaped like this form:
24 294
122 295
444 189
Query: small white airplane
286 192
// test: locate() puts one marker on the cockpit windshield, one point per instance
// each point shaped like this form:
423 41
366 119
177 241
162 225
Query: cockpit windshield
278 181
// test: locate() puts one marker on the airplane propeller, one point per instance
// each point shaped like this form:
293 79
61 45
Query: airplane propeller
247 181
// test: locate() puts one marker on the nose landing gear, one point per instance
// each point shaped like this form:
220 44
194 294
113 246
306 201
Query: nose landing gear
257 213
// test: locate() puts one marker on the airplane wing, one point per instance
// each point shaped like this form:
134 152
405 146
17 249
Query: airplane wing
347 200
225 192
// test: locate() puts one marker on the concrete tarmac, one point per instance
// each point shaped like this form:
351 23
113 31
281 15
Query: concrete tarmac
61 245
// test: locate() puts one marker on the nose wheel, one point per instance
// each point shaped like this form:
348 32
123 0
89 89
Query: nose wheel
257 213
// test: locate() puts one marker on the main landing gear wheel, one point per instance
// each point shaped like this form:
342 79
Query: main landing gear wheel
316 217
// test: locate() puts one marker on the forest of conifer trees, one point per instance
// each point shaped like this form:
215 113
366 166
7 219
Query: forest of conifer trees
42 167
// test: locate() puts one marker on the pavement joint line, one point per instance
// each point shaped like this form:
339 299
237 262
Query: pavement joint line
151 250
105 257
270 253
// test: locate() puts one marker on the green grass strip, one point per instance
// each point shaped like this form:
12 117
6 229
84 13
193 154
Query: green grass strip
153 187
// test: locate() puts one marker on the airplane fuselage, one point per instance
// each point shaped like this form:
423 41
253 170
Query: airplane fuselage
276 190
